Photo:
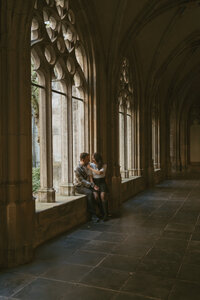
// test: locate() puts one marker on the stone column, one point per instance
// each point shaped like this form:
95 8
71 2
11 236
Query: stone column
138 171
67 187
149 163
153 144
17 208
126 172
46 192
113 146
157 145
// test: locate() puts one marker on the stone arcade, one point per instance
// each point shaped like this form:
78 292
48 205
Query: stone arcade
120 77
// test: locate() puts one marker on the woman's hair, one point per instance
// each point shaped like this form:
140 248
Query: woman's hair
98 159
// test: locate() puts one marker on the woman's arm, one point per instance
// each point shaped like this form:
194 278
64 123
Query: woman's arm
98 172
91 179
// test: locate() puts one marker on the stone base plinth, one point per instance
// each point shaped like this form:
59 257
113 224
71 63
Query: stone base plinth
19 256
46 195
67 190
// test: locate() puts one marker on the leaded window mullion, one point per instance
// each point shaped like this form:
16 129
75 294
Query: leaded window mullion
62 55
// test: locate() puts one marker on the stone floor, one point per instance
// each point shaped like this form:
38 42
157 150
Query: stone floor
151 252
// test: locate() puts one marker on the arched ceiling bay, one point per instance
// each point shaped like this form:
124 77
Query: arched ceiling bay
165 34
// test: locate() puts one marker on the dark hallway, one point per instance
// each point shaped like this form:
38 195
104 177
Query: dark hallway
151 252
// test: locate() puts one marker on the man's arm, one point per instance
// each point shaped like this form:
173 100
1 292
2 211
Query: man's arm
81 180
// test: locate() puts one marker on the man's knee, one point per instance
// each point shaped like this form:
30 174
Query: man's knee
90 195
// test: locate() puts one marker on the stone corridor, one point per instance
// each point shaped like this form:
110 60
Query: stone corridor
151 252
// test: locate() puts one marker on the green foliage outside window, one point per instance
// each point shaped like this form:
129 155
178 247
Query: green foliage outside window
35 179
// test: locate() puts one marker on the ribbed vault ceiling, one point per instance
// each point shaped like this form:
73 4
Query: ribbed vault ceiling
166 37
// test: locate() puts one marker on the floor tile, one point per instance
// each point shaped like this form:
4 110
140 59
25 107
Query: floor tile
126 296
44 289
106 278
55 252
149 285
38 267
85 258
100 227
190 272
165 255
180 227
111 237
99 246
159 267
178 235
194 246
119 262
130 250
185 291
7 298
192 257
11 282
67 272
196 236
85 234
73 243
171 244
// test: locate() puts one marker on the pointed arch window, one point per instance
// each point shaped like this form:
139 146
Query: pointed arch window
156 135
126 122
59 61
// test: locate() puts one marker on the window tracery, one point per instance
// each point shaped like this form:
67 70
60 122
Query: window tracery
59 60
126 121
156 135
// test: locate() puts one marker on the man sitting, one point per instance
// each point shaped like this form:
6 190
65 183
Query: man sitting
84 186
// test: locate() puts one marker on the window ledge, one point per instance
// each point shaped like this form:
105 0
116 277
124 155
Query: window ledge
157 170
60 200
124 180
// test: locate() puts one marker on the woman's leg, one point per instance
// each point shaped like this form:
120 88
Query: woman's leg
98 201
105 205
96 196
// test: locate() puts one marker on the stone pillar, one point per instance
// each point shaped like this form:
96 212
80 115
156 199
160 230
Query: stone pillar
126 172
113 146
17 208
137 144
156 141
67 187
46 192
153 144
149 163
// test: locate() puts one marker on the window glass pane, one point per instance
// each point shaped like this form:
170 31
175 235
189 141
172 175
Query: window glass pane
56 134
34 77
35 91
129 142
78 129
77 93
125 100
121 142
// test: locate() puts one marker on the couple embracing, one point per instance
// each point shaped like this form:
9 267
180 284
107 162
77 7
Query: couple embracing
90 181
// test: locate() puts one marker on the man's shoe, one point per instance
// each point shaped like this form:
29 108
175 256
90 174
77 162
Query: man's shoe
105 218
95 219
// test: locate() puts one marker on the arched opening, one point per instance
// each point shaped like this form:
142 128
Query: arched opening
194 136
60 132
128 129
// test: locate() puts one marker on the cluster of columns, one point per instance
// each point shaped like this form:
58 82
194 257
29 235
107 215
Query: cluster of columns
17 208
47 191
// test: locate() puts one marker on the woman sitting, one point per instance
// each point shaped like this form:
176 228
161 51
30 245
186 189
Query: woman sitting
98 169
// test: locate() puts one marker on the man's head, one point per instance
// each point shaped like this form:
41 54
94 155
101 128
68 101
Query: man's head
84 158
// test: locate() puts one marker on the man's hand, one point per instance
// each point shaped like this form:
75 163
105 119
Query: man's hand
88 167
96 188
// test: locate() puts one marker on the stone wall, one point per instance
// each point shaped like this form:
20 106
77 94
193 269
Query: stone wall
60 218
